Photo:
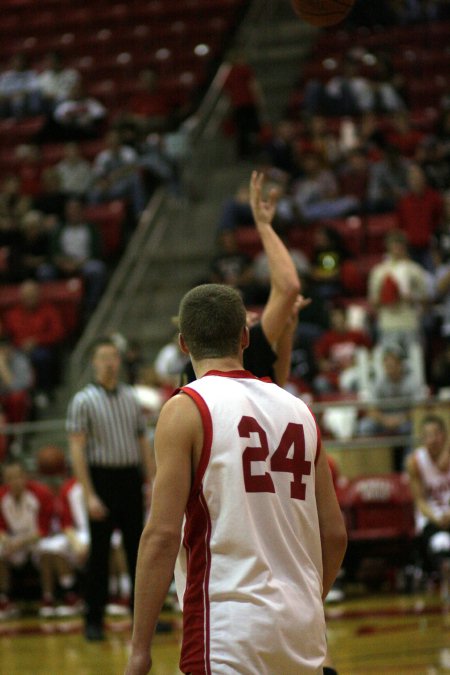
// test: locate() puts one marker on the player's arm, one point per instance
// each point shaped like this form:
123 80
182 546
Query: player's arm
77 447
284 281
176 431
283 350
333 534
148 459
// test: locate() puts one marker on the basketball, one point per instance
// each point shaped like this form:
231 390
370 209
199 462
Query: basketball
51 460
322 13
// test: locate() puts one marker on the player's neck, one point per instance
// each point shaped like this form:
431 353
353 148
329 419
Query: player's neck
223 364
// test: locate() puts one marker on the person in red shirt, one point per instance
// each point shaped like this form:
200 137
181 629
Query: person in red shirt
36 328
26 511
335 352
420 212
244 93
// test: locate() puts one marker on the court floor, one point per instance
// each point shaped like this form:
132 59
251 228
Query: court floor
377 634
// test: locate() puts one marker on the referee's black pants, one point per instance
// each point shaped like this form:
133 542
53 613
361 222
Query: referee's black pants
120 489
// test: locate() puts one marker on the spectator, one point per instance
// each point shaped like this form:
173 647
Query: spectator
388 180
13 203
327 257
116 175
348 93
26 510
436 166
429 472
169 362
36 327
19 89
16 382
34 246
77 117
397 291
335 354
403 135
353 175
150 107
75 172
30 169
51 199
441 279
279 150
247 103
9 249
55 81
233 267
395 381
76 251
420 212
316 195
440 372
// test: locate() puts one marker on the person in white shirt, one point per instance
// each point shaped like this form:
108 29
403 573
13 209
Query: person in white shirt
56 82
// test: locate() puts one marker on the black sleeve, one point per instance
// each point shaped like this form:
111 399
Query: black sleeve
259 356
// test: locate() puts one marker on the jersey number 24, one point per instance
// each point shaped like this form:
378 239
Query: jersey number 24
296 464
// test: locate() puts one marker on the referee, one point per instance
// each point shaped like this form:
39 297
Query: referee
108 448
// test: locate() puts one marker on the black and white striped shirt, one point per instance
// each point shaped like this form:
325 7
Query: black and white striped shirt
112 422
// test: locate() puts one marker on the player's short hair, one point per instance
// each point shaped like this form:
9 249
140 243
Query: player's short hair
211 320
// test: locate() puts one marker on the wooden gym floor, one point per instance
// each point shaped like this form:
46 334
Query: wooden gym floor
373 634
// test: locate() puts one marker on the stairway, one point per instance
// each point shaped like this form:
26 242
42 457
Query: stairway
275 45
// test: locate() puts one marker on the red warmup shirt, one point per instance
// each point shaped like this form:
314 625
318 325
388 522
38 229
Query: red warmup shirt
420 215
42 324
238 85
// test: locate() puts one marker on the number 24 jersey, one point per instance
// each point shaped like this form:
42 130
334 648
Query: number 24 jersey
249 572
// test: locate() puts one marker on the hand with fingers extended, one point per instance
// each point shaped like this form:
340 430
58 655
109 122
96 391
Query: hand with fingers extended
263 209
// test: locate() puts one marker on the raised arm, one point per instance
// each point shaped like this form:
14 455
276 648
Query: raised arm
284 281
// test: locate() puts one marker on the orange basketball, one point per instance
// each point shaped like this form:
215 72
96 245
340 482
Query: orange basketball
51 460
322 12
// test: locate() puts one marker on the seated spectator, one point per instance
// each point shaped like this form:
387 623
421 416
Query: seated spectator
335 354
347 93
403 135
327 257
430 155
157 165
386 88
76 251
51 199
77 117
75 172
397 290
279 150
169 363
34 250
440 372
19 89
317 138
395 381
420 212
16 382
353 175
30 169
55 81
316 195
26 511
10 241
13 203
388 180
150 107
233 267
260 265
429 473
36 327
116 175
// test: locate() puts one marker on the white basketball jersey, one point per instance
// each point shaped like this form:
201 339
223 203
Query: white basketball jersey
249 573
436 484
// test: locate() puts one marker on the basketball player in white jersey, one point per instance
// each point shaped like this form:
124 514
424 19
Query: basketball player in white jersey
429 471
242 481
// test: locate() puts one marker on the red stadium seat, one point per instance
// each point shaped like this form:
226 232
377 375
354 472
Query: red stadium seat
248 240
376 228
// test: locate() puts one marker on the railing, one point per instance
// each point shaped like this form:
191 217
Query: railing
22 434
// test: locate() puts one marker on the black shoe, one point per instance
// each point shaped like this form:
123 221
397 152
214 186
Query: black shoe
93 632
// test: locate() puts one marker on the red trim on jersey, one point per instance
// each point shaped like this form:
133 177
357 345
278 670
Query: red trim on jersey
65 510
197 532
207 435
